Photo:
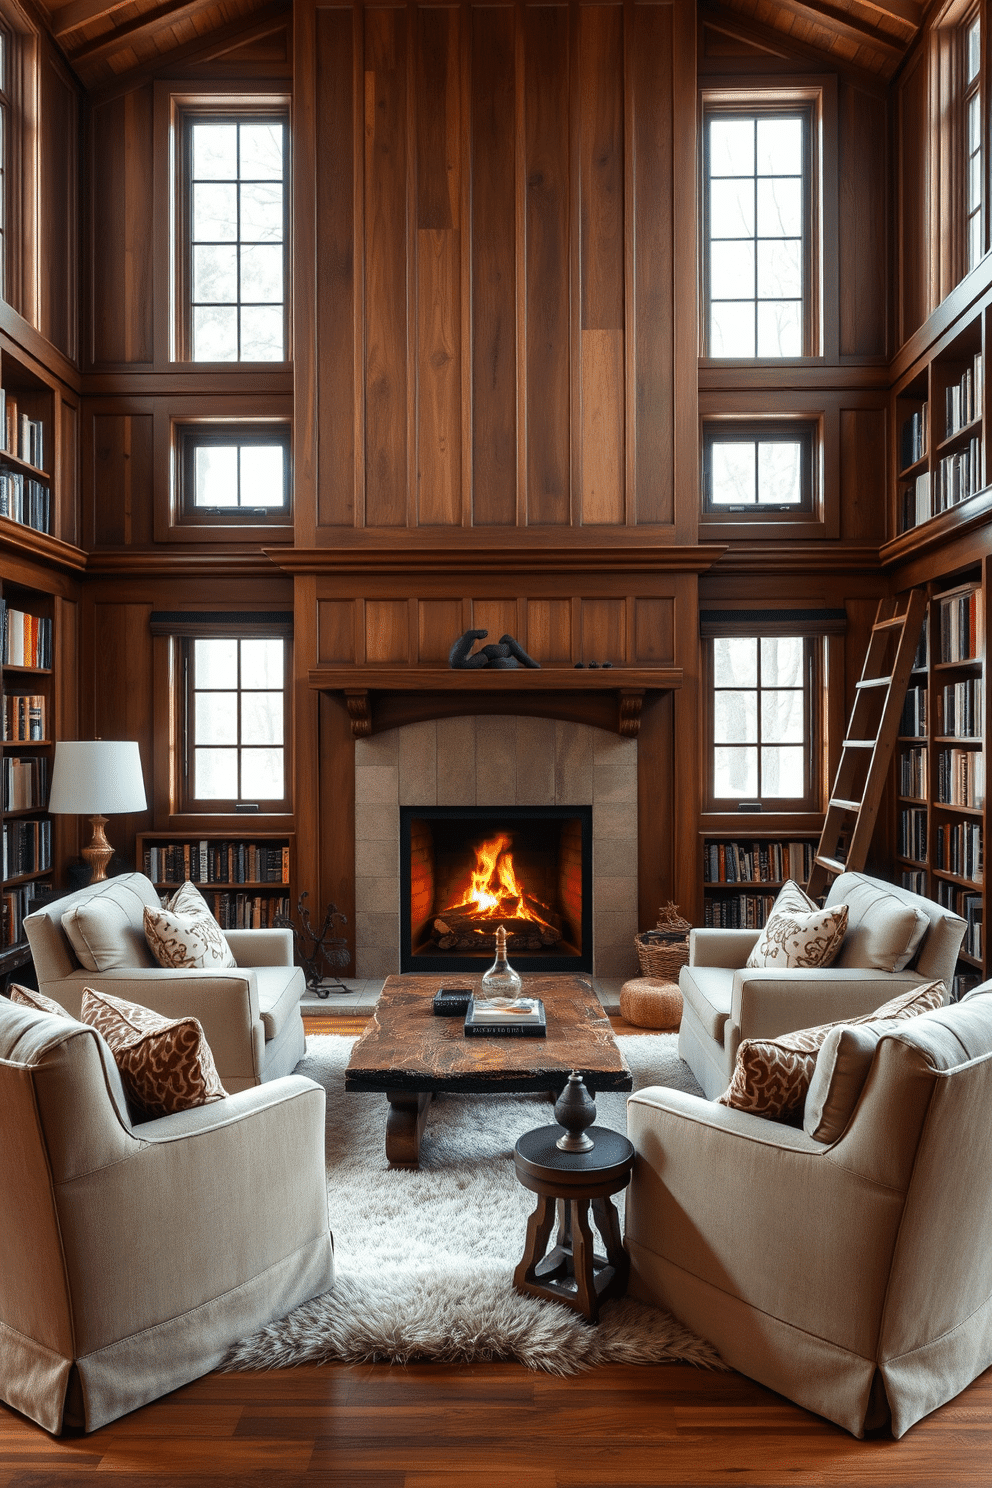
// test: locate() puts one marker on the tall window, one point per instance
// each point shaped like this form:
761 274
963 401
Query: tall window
235 723
762 735
973 140
758 467
236 236
758 201
234 474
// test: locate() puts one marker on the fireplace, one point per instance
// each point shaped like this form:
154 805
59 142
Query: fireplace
466 870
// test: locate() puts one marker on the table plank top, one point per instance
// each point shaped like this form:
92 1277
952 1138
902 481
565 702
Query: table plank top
407 1047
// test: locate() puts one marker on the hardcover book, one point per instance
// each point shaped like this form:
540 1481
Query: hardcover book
521 1018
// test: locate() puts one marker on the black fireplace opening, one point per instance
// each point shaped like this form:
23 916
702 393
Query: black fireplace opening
466 870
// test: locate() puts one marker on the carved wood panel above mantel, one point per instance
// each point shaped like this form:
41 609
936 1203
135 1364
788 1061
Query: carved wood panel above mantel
379 698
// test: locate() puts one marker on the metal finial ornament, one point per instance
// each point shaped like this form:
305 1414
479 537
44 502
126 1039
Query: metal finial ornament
575 1109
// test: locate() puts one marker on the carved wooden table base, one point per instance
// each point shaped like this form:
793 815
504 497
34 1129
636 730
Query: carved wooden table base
405 1125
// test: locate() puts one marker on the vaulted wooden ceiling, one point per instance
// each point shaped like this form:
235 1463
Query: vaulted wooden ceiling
111 40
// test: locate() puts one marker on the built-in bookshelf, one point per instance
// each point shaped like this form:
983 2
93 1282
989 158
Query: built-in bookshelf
26 444
26 717
743 874
246 881
939 421
940 765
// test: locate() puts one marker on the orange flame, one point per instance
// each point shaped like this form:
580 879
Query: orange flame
494 887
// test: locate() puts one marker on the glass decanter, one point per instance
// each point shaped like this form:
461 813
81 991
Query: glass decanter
501 981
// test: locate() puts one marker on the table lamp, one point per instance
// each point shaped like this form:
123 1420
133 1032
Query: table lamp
94 778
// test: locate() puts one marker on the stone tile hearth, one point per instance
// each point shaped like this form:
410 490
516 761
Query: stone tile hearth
483 761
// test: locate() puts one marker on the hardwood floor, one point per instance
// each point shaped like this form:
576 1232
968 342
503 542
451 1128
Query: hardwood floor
490 1425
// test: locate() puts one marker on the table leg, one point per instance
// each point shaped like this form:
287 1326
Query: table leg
618 1259
538 1229
582 1260
405 1126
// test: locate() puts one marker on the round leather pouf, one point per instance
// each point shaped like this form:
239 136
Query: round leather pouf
650 1002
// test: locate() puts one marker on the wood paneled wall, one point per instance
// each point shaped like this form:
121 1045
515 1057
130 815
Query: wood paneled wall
495 269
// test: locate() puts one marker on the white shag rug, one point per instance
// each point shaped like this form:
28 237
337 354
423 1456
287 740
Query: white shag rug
424 1258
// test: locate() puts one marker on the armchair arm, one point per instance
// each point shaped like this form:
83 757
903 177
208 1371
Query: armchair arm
768 1002
715 947
268 947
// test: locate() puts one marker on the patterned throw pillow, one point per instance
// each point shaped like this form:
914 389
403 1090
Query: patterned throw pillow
37 1000
771 1076
797 936
186 935
165 1063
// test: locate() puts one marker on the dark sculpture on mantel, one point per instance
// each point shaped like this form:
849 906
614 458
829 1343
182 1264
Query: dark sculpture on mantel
502 655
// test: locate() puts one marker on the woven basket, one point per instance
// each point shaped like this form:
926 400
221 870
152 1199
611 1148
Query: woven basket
664 951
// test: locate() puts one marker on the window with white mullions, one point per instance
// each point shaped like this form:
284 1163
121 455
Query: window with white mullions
761 700
974 162
757 211
236 723
237 205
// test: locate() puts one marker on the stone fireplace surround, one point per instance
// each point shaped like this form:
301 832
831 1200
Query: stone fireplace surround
496 760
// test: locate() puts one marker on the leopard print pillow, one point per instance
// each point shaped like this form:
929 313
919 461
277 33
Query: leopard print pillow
771 1076
165 1063
28 997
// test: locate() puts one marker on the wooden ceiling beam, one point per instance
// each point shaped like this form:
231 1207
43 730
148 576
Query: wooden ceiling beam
842 23
907 11
80 12
121 37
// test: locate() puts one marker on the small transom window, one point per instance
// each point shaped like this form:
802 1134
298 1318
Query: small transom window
759 468
234 475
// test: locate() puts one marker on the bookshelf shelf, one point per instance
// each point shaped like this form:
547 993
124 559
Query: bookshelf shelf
224 866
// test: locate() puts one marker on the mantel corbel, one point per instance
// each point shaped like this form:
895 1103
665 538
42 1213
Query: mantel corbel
359 707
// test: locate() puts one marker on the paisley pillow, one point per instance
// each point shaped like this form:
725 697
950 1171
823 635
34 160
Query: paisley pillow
772 1076
165 1063
189 939
793 938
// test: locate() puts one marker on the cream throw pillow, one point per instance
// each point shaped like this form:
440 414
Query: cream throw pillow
185 935
165 1063
37 1000
102 935
772 1076
842 1067
797 933
883 932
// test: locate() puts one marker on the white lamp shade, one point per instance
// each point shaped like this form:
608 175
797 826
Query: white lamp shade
97 777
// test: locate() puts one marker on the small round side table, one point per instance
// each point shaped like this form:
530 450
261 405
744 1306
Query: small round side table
566 1184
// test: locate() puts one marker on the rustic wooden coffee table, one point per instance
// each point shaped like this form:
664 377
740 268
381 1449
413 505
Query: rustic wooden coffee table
410 1054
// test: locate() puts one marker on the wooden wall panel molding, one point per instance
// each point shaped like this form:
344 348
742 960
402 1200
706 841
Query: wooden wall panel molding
119 303
603 557
488 270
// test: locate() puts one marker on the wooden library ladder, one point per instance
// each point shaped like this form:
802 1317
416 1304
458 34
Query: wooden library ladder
851 808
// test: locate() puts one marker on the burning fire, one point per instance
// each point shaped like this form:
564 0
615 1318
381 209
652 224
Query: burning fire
494 889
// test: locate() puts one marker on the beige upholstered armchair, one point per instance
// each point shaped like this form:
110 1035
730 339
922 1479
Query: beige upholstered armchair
853 1276
724 1002
132 1256
250 1014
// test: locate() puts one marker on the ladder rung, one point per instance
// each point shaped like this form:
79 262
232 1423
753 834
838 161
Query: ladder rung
858 744
830 863
846 805
874 682
891 623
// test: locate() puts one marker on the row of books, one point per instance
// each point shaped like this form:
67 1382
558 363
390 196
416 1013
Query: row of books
961 777
957 477
968 905
26 639
958 850
914 440
217 862
246 911
24 716
914 879
962 625
14 905
911 834
757 862
27 847
25 500
962 709
738 911
913 724
916 504
25 436
24 783
963 399
913 773
963 983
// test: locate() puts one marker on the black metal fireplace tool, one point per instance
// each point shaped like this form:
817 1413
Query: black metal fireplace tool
313 949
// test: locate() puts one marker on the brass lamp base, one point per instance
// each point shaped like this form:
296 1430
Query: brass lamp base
99 852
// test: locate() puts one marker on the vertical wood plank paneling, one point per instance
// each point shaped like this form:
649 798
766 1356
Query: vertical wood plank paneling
335 632
68 453
863 491
654 632
58 262
439 625
602 160
121 256
603 630
863 186
494 278
121 479
334 108
438 118
602 427
387 631
439 429
549 629
652 420
914 197
498 616
386 304
120 698
548 253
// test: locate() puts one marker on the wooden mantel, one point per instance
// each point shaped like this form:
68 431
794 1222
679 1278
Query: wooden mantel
379 698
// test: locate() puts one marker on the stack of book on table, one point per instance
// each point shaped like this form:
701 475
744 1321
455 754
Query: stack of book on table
494 1018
